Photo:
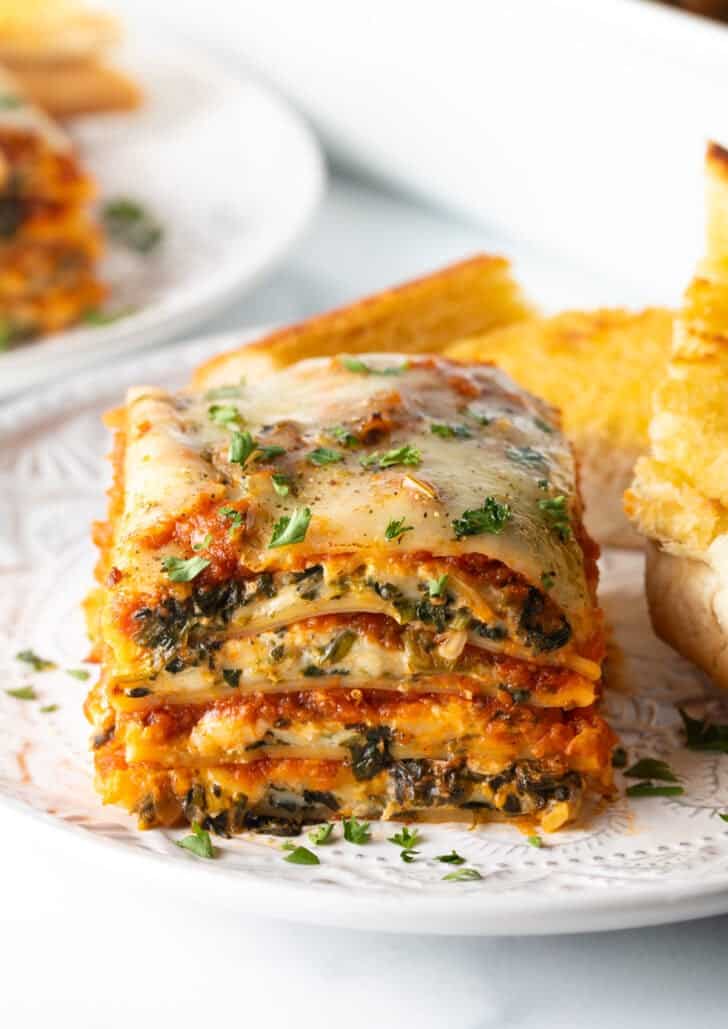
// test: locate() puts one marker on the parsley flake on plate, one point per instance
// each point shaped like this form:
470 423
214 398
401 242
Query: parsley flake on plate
48 709
180 570
491 518
321 834
651 768
127 222
356 832
199 843
301 856
23 693
406 838
78 673
463 875
408 855
291 529
534 841
649 789
453 858
38 664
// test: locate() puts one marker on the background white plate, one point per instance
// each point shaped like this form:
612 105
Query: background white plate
644 862
231 172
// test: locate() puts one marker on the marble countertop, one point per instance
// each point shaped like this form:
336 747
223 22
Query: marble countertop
77 950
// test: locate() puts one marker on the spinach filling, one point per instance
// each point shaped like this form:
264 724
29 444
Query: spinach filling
370 750
543 631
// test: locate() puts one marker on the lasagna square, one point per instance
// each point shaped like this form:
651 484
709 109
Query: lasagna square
357 586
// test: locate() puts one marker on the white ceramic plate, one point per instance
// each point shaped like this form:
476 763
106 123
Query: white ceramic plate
636 863
228 169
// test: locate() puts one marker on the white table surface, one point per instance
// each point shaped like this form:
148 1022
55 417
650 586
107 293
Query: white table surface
77 950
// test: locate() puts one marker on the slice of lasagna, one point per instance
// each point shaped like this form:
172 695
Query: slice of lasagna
49 245
360 585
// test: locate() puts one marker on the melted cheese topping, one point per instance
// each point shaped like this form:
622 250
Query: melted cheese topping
503 445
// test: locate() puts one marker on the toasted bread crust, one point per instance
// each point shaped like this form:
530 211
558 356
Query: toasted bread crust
420 316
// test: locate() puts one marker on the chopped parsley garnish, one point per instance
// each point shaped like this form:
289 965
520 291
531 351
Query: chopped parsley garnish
78 673
223 414
481 419
242 445
722 816
199 843
302 856
127 222
23 693
269 453
543 426
619 757
48 709
10 101
38 664
406 838
235 518
491 518
96 316
180 570
451 431
534 841
548 580
353 364
556 513
346 438
325 455
527 456
321 834
543 483
704 735
291 529
436 587
651 768
463 875
408 856
397 528
356 832
649 789
232 676
406 454
281 484
205 542
453 858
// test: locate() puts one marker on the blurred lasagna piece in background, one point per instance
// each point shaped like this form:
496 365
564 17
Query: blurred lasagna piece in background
49 243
